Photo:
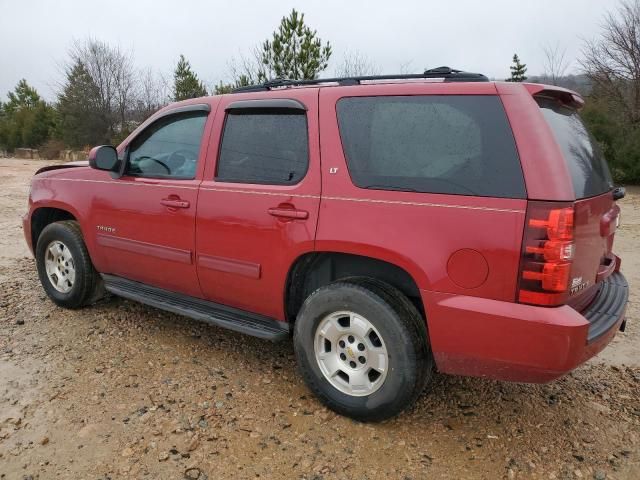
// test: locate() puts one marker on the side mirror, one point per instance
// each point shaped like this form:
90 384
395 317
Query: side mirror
104 157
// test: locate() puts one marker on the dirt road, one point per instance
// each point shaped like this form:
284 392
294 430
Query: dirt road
121 390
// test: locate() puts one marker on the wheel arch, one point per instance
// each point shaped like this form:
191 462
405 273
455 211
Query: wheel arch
45 215
313 270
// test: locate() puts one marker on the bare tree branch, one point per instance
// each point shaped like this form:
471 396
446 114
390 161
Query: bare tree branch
613 61
113 73
355 64
555 64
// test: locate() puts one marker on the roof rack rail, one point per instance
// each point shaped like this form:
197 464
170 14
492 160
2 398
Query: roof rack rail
446 73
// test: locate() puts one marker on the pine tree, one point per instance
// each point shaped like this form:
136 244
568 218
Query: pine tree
26 120
80 120
23 96
518 70
222 88
185 82
294 52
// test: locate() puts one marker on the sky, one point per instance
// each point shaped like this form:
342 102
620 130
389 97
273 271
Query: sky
473 35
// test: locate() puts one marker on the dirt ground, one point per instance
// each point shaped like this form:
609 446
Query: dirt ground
120 390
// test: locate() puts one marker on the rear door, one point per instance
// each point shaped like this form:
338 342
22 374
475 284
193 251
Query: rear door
596 213
259 199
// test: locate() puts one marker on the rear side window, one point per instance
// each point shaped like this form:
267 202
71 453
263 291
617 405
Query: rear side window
588 169
454 144
264 146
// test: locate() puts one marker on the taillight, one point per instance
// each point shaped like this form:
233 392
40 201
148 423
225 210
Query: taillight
547 254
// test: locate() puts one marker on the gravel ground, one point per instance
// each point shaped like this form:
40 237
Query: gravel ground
121 390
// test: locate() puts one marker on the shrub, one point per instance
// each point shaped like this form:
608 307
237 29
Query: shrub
51 149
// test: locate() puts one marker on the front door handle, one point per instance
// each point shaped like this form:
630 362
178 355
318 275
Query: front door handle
173 202
288 213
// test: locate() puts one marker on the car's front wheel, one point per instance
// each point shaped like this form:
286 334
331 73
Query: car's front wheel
64 267
362 348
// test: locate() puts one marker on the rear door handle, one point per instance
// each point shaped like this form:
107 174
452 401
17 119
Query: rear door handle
288 213
175 203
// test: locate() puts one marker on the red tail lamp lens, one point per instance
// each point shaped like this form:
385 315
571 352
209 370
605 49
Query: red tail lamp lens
547 254
554 250
559 224
554 276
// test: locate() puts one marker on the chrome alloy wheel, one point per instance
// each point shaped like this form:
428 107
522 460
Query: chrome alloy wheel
59 265
351 353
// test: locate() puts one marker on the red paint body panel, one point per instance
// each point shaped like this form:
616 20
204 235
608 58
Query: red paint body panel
508 341
236 243
545 171
431 227
593 242
234 222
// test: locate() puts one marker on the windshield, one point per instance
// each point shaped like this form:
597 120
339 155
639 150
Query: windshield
587 166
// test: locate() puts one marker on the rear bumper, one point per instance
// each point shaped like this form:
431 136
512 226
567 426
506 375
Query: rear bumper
522 343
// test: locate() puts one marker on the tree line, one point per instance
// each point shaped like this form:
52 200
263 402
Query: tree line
103 97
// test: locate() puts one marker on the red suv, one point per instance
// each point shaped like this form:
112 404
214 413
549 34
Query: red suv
395 225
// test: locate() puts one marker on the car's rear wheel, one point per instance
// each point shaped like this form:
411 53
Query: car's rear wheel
64 267
362 348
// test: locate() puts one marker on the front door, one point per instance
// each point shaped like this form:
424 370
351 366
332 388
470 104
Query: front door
259 199
145 220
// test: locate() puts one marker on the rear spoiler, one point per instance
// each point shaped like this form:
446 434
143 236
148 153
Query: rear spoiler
565 96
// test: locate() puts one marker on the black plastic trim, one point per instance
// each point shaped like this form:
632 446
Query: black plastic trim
196 107
209 312
287 103
619 193
608 306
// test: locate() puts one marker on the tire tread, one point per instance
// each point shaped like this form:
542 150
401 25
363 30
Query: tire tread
411 320
90 281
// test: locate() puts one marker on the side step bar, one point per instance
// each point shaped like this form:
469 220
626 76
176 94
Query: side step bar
198 309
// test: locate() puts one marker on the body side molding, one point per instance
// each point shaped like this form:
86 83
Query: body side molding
230 265
144 248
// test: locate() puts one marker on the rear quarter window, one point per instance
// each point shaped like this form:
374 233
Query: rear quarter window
588 169
454 144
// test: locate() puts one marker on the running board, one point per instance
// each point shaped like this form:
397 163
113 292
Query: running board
198 309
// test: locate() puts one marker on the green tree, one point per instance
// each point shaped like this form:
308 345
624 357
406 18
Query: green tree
24 96
185 82
26 120
612 112
294 51
518 70
222 88
81 121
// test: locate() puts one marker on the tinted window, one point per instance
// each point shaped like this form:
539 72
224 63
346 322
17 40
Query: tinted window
440 144
587 166
168 148
264 146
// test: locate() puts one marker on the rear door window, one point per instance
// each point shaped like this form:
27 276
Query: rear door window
454 144
264 146
589 171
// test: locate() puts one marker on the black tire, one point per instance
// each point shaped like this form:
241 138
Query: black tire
410 363
87 286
